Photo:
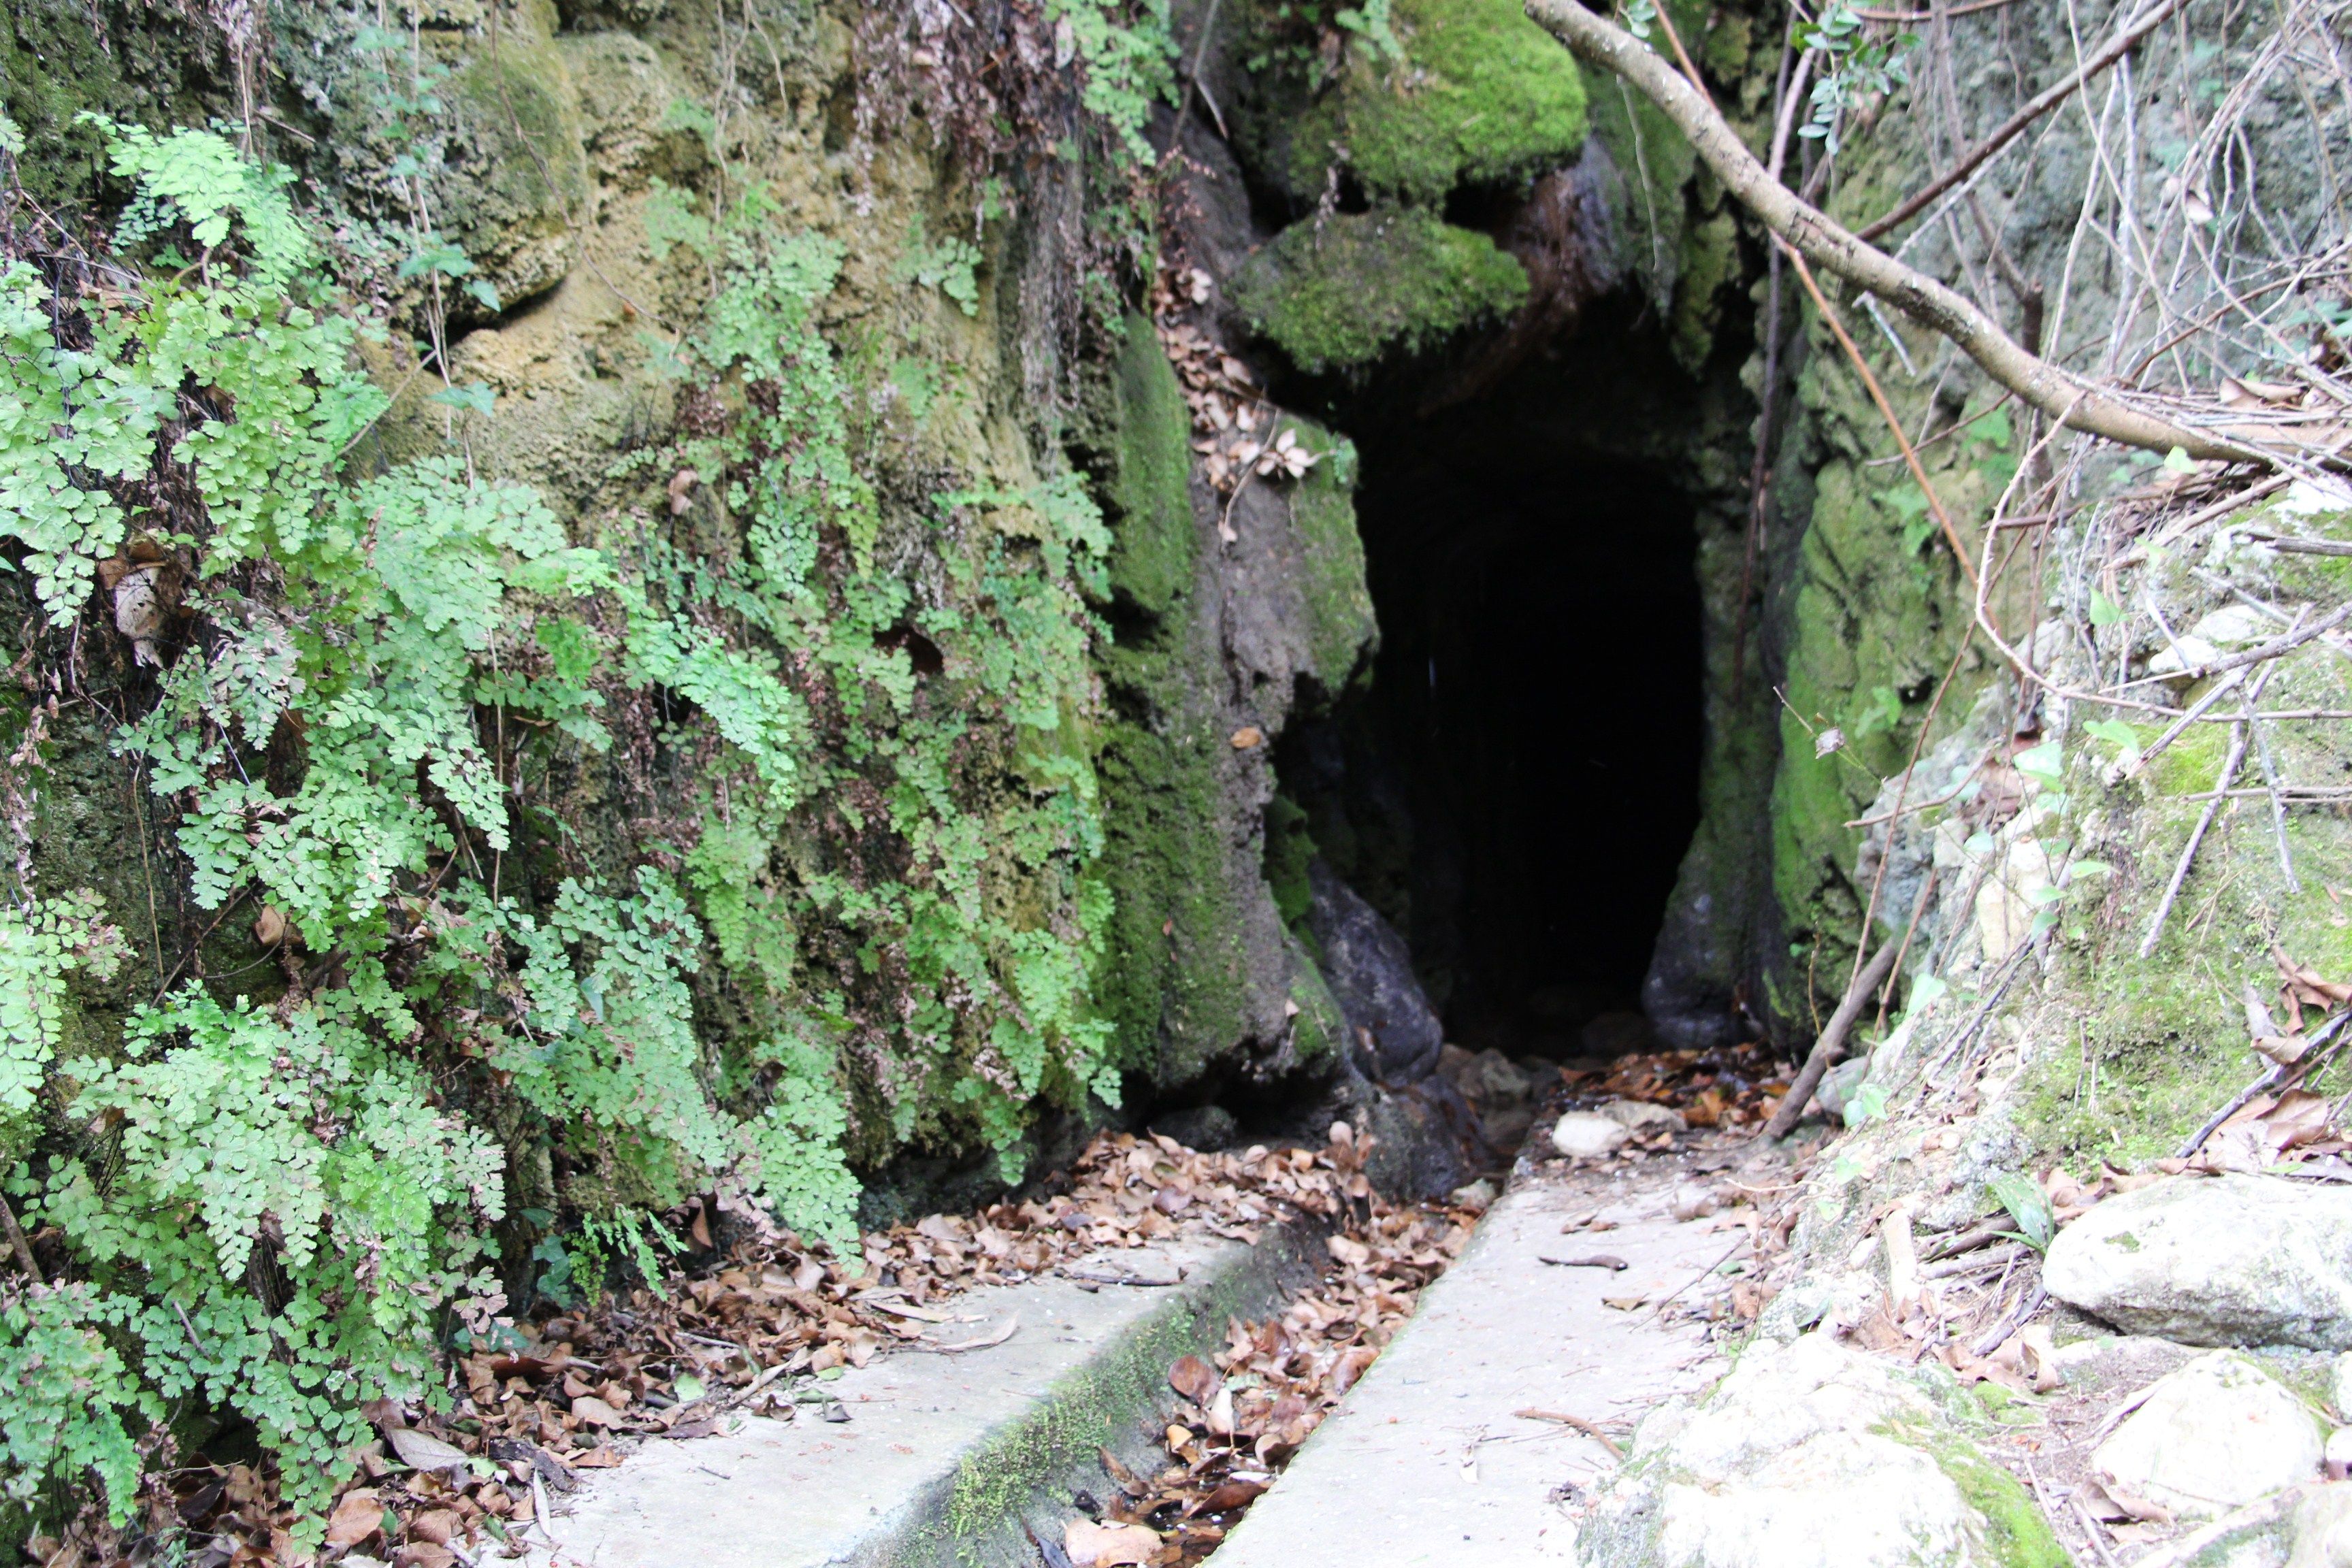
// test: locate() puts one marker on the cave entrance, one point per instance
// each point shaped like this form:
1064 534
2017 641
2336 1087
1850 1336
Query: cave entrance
1517 788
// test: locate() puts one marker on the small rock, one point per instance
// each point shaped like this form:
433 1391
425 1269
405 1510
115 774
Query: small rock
2214 1435
1693 1200
1496 1076
1581 1135
1830 1301
2224 1260
1644 1120
1813 1456
1838 1085
2335 1456
1477 1197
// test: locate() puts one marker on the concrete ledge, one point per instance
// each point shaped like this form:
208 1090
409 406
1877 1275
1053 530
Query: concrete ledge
943 1455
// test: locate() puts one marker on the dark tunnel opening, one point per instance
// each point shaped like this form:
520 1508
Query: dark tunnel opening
1517 786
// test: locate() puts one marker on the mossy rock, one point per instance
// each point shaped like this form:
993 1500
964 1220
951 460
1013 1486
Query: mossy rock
1482 97
1338 293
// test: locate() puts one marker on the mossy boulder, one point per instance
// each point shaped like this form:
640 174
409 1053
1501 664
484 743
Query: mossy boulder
1482 96
1337 293
1812 1455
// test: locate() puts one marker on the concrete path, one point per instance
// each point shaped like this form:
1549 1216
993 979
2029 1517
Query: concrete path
934 1459
1427 1462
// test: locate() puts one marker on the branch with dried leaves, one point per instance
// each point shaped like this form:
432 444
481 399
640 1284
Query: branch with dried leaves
2067 399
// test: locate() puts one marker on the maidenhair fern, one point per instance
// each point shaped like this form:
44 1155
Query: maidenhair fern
884 850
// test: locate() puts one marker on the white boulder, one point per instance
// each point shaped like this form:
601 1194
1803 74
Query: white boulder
1581 1135
2223 1260
1813 1456
2215 1435
1642 1119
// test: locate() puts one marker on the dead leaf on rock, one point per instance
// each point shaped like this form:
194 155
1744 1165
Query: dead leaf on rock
1092 1545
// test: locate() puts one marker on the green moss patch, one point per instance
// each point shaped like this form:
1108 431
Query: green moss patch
1337 293
1483 96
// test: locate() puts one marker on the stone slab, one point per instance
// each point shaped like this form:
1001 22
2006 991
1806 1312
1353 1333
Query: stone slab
943 1455
1426 1463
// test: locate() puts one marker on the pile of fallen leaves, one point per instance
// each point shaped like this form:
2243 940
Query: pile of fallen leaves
1238 1421
1239 435
1721 1086
451 1480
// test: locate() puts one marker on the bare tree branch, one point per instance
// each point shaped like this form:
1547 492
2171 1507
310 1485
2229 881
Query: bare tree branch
2009 130
2067 399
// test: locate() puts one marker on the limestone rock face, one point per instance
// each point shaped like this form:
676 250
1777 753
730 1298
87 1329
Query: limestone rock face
1814 1455
2214 1435
2227 1260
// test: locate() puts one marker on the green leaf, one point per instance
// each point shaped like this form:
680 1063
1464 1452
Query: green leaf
2045 763
2028 1207
473 397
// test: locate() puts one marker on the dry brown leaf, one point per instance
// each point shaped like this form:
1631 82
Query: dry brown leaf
421 1451
437 1525
359 1513
593 1412
1196 1380
1092 1545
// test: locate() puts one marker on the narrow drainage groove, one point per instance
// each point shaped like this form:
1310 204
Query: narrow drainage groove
765 1322
1238 1422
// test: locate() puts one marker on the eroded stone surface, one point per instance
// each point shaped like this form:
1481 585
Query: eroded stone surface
2225 1260
2216 1435
1811 1455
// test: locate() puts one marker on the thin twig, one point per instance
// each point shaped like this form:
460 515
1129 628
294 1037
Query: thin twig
1831 1041
2196 836
2070 400
2173 732
2326 1041
2269 777
23 1248
2009 130
1886 410
1589 1428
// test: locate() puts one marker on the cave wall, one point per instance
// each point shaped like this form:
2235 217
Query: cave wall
569 152
1352 243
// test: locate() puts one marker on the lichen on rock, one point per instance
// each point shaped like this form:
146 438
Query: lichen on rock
1813 1455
